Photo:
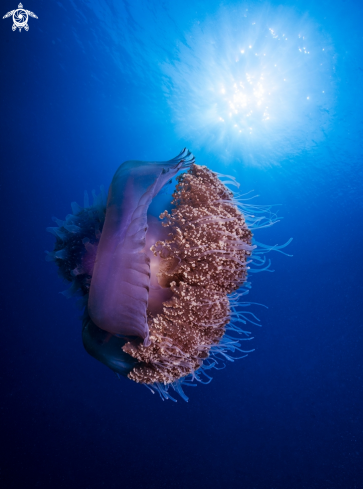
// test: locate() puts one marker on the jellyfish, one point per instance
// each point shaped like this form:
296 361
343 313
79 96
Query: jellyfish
160 266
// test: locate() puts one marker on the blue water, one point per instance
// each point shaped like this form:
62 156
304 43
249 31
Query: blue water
92 84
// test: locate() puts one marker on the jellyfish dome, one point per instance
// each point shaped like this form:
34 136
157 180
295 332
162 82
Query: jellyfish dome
160 267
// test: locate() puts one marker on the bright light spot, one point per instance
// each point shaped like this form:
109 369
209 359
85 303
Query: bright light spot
217 102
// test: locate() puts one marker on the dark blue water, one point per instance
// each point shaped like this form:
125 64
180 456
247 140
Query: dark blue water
92 84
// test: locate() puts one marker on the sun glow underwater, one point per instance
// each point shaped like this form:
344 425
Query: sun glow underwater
253 85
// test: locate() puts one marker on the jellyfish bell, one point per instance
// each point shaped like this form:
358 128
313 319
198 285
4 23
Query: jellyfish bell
161 275
106 348
120 286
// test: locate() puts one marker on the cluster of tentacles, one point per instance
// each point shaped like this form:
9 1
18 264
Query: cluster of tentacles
77 238
203 261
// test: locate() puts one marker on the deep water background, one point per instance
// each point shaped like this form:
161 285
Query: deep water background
83 91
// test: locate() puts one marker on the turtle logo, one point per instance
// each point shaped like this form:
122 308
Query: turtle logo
20 18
